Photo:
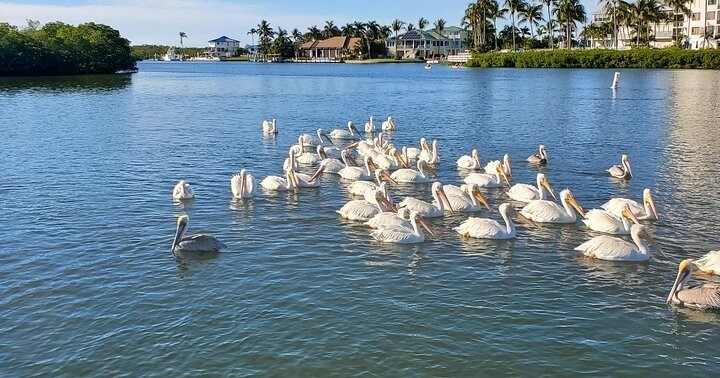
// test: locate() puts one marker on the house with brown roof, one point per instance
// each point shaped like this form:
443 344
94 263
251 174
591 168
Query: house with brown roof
330 49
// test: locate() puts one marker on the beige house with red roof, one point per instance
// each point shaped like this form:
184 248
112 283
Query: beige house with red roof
328 49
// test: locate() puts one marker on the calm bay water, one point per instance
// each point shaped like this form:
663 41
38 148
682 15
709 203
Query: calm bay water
90 287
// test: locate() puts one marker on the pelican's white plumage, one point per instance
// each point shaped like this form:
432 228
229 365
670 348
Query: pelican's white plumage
360 187
611 248
470 162
699 297
470 200
484 228
388 219
646 211
356 173
370 126
193 243
491 167
710 263
622 171
550 212
609 223
279 184
389 124
527 193
363 210
425 209
351 133
411 175
430 156
401 234
541 158
243 185
485 180
183 191
269 127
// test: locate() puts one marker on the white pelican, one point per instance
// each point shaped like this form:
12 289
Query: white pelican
609 223
391 160
485 180
279 184
469 201
183 191
290 162
243 185
370 126
269 127
484 228
363 210
360 187
306 158
622 171
646 211
700 297
610 248
345 134
389 124
550 212
193 243
541 159
330 152
307 181
412 153
491 166
403 235
710 263
408 175
471 161
357 173
429 210
330 165
310 142
527 193
390 219
431 156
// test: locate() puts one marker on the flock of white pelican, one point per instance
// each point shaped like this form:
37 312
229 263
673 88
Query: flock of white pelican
382 164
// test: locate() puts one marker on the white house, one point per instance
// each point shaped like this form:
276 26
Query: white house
222 47
428 43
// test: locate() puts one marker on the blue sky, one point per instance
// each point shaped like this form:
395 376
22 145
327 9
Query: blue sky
159 21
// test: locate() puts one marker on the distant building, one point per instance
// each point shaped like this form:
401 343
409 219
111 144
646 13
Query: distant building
222 47
333 48
428 43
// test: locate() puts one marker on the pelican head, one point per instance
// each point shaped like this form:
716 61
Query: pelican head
627 213
684 272
506 163
476 157
383 174
510 212
438 188
399 157
568 197
352 128
321 152
381 197
650 203
182 224
626 164
543 182
322 134
501 173
424 145
474 191
420 221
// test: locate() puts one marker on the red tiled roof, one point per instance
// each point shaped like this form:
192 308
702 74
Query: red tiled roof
308 45
332 43
353 41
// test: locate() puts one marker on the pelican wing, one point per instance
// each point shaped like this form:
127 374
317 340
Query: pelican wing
482 228
610 248
481 179
359 210
454 190
235 185
352 173
358 188
307 158
387 219
332 166
604 221
703 297
401 235
462 203
523 192
544 211
408 175
423 208
710 263
273 183
616 206
534 159
200 243
491 167
466 162
616 171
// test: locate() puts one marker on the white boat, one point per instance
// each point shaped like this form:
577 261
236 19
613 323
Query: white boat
170 56
428 66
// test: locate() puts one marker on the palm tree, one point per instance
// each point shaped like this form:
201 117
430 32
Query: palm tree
396 26
265 33
422 23
612 9
549 27
410 26
348 30
252 33
568 12
470 22
496 12
330 30
314 33
182 35
514 6
359 28
531 14
439 28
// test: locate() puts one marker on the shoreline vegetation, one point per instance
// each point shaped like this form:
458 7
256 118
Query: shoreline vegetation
61 49
600 58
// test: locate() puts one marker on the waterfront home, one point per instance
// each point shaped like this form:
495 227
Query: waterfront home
428 43
222 47
330 49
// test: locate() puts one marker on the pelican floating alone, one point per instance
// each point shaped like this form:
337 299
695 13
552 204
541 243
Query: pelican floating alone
610 248
269 127
541 158
243 185
183 191
471 162
389 124
490 167
193 243
622 171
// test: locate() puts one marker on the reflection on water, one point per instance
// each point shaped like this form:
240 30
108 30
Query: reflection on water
60 84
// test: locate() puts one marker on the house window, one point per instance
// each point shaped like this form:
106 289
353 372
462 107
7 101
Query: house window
717 29
710 16
696 16
695 30
712 2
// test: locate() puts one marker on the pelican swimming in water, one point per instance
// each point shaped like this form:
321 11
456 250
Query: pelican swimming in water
370 126
469 200
305 158
408 175
429 210
388 219
541 158
193 243
309 142
491 167
700 297
412 153
646 211
550 212
269 127
527 193
360 187
351 133
330 165
279 184
364 210
470 162
710 263
431 155
485 180
605 247
243 185
389 124
622 171
183 191
609 223
404 235
357 173
484 228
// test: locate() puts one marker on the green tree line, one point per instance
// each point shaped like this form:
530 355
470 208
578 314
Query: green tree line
61 49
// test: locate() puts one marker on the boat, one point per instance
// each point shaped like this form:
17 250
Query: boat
428 66
170 56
